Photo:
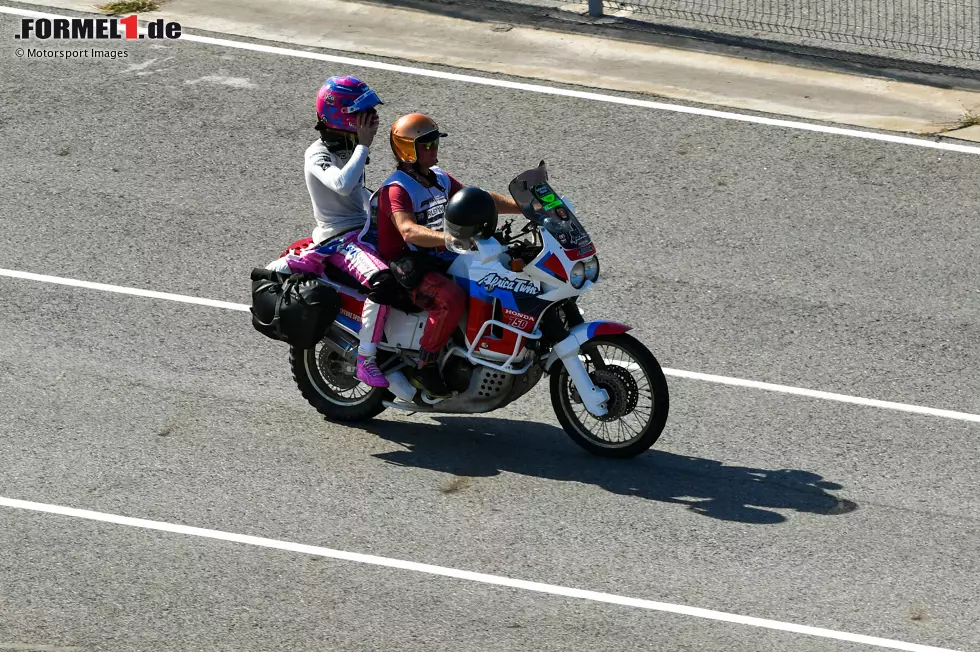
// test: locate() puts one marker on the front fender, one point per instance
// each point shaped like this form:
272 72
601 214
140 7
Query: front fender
581 334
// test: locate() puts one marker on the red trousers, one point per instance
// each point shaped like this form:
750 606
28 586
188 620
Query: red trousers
446 303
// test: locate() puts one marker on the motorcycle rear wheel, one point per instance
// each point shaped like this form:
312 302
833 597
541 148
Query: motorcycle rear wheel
632 379
339 396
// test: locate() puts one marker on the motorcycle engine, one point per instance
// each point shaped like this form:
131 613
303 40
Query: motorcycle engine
458 373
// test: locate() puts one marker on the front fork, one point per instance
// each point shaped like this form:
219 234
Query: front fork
564 325
594 398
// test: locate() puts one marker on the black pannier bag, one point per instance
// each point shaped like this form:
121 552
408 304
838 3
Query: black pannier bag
293 308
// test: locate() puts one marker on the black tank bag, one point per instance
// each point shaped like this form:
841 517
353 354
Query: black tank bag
293 308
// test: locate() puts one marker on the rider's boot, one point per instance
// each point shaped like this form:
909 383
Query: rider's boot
428 378
369 373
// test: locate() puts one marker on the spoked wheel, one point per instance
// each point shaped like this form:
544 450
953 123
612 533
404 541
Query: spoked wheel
638 398
328 383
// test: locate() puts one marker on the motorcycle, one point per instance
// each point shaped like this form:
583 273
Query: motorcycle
522 322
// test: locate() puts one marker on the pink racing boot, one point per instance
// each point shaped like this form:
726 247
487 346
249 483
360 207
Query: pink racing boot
369 373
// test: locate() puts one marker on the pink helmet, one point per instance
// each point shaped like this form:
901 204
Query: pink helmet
340 99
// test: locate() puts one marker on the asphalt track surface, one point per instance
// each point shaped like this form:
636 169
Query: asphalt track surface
758 252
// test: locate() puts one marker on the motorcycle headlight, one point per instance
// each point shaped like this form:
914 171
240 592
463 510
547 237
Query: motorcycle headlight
592 269
577 277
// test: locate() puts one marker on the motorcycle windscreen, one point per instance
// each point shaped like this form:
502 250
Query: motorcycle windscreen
541 204
521 189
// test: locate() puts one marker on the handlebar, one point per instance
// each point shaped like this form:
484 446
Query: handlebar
504 236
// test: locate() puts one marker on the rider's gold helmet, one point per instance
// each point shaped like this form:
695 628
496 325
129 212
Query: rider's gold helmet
411 130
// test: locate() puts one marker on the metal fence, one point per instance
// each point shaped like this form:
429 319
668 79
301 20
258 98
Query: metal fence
942 28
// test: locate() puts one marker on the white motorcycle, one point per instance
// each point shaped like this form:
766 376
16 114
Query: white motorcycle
607 389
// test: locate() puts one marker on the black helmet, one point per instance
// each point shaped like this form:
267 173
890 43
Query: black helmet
470 214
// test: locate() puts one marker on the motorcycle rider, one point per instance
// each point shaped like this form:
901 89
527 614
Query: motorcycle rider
411 238
334 168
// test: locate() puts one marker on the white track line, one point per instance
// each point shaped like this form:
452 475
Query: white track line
123 290
812 393
31 647
725 380
549 90
471 576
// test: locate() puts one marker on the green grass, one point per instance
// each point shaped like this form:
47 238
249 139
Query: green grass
969 119
129 6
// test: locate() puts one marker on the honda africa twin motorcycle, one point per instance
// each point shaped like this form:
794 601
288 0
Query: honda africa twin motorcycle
522 322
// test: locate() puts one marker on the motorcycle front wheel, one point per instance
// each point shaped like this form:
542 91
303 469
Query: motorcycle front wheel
638 398
326 382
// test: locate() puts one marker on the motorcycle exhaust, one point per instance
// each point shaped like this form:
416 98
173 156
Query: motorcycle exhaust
341 344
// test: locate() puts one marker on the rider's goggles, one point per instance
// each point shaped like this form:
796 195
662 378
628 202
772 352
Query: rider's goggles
428 141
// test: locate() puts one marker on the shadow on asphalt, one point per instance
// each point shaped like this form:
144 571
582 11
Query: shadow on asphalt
480 447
